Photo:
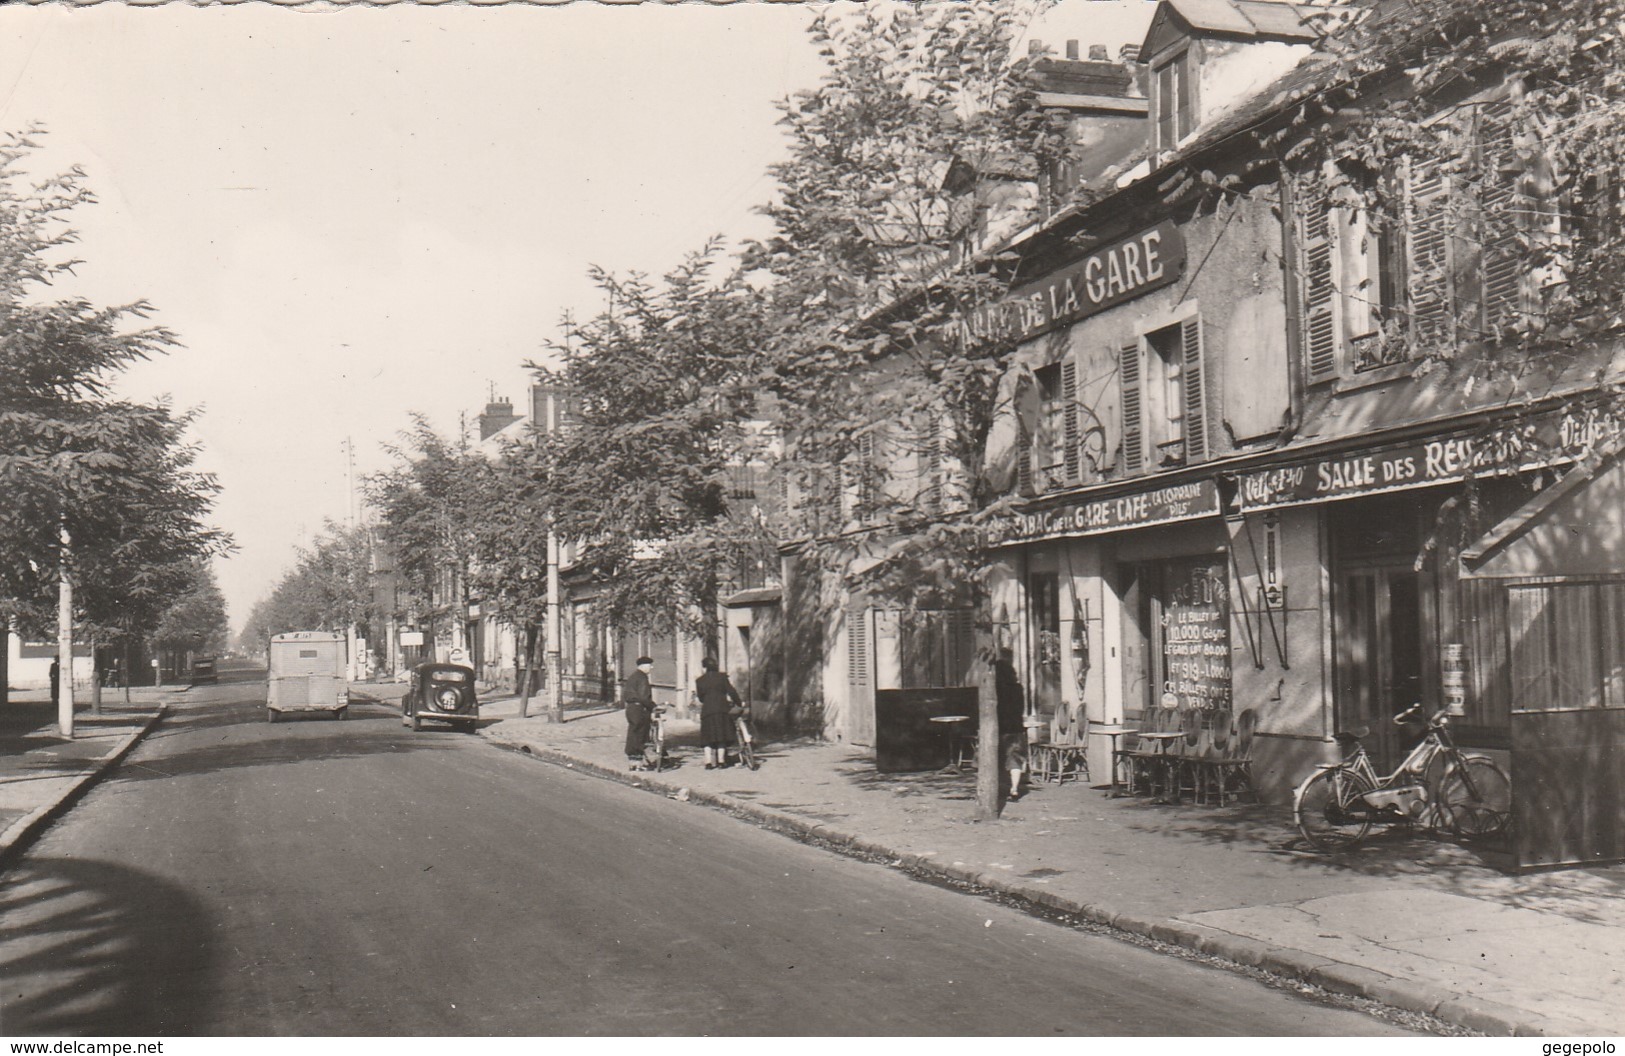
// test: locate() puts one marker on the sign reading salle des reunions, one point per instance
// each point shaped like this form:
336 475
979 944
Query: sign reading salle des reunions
1112 274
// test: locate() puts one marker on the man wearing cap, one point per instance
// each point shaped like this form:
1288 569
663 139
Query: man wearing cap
639 696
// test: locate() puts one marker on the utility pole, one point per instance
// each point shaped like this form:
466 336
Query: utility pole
353 662
64 638
555 658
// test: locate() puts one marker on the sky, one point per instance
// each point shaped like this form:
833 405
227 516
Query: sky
349 214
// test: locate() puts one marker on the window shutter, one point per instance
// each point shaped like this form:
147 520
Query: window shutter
931 472
1320 351
1502 217
1128 360
857 648
1429 264
1071 432
1190 340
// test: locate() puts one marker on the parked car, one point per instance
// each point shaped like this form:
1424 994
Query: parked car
203 672
442 692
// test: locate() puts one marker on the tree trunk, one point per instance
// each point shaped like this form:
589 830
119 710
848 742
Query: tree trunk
989 760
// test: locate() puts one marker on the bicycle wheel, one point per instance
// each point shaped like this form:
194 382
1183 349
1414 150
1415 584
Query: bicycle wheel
1476 798
1324 806
747 750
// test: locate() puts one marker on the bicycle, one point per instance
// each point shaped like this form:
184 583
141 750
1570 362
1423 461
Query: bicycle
1336 805
654 750
747 740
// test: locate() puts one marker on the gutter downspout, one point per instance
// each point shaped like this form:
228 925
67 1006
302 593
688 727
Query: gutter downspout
1294 305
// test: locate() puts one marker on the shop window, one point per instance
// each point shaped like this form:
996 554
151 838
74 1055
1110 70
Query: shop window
1182 610
1164 399
937 648
1566 646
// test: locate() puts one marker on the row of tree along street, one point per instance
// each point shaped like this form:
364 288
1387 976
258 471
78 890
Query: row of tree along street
924 154
103 538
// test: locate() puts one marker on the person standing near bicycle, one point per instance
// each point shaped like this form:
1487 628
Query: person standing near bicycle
639 697
719 703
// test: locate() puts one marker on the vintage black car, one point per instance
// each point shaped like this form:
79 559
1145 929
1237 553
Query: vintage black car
442 692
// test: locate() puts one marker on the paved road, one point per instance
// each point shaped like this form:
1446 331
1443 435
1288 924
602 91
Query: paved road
324 877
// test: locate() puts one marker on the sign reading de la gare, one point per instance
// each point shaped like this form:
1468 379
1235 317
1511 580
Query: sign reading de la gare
1112 274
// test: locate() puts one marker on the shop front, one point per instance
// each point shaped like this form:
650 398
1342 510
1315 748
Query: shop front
1557 567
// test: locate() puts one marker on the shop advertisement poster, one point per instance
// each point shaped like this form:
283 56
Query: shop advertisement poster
1196 635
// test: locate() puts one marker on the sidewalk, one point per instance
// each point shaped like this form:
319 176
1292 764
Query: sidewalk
43 773
1409 921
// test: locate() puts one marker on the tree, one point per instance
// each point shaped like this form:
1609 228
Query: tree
196 619
639 477
100 492
329 588
429 510
922 120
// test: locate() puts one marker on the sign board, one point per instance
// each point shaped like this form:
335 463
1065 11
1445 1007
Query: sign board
1117 272
1196 634
411 638
1542 441
1174 502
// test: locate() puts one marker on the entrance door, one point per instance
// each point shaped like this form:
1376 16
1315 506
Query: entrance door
1377 630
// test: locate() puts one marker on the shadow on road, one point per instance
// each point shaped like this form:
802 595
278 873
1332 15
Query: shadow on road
91 947
238 736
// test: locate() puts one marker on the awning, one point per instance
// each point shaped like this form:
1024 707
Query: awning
740 599
1572 528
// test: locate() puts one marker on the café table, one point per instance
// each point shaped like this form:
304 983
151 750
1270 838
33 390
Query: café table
1162 742
956 729
1115 731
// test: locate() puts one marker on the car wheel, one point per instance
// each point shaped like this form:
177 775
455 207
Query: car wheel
270 714
417 724
343 713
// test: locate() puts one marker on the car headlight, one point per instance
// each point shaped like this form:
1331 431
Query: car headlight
446 699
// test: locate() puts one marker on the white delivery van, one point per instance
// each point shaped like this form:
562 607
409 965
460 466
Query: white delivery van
307 673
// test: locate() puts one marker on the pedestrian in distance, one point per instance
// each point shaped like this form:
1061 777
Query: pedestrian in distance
719 703
1012 708
56 679
639 697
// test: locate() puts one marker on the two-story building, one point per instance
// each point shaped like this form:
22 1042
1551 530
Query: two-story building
1282 415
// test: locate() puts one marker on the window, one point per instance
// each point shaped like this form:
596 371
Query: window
1164 404
1396 264
1175 101
1058 446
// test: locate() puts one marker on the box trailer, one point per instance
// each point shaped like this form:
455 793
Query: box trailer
307 672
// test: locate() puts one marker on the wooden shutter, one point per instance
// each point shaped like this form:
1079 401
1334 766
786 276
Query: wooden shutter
931 471
1501 219
1071 431
1320 344
857 648
1128 366
1429 265
1192 380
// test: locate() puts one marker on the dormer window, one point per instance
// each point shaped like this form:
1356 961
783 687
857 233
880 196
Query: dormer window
1174 100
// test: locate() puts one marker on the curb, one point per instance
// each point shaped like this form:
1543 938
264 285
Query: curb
1334 976
22 833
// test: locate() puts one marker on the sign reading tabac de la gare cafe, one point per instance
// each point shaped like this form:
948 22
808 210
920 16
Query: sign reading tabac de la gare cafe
1175 502
1110 275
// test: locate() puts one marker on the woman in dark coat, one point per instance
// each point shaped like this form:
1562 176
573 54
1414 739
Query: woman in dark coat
718 701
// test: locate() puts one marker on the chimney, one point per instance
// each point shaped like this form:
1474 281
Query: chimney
1035 48
1097 53
497 417
1128 53
1072 50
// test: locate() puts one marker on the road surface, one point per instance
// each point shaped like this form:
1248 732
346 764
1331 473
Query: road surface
341 878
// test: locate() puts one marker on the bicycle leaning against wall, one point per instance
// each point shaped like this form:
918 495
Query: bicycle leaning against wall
1437 784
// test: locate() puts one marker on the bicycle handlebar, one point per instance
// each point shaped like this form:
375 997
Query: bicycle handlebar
1439 718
